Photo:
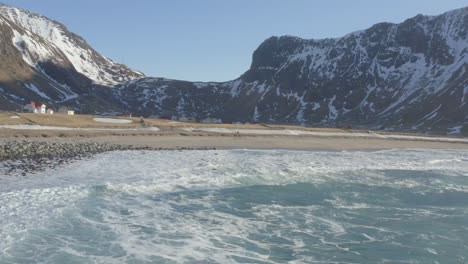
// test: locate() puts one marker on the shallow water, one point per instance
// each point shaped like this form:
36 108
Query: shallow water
241 206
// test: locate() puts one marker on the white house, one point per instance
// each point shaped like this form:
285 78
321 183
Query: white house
41 108
50 111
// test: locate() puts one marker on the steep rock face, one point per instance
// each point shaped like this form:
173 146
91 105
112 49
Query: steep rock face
410 76
43 61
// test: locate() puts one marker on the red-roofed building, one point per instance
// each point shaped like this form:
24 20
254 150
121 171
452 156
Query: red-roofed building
35 107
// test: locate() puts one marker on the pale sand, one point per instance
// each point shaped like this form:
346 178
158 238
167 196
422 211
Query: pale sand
289 142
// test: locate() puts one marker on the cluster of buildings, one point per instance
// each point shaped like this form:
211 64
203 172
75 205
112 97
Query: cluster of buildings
207 120
41 108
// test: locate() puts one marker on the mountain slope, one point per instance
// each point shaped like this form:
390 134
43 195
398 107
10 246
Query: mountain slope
84 58
43 61
410 76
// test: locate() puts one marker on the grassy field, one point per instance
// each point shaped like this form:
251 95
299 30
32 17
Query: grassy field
76 121
86 121
167 127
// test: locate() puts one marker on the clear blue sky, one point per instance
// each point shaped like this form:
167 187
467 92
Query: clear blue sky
213 40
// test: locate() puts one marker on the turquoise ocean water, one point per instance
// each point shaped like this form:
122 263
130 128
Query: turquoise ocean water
241 206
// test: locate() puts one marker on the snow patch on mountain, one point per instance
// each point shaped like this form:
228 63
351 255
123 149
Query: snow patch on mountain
456 130
31 50
101 70
36 90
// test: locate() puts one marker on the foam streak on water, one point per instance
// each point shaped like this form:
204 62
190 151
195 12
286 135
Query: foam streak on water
241 206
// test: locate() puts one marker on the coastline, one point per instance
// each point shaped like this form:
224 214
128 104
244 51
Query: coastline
278 142
20 157
29 148
178 141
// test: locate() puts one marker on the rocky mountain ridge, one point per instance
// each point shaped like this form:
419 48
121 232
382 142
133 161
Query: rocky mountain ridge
410 76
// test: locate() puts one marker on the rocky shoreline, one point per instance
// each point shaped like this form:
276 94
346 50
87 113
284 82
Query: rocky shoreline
23 157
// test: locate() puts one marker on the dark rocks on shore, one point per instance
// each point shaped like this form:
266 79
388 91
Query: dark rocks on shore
22 157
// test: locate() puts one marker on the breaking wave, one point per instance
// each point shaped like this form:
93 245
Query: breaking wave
241 206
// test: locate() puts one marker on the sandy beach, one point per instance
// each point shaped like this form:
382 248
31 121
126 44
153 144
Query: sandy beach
283 142
278 142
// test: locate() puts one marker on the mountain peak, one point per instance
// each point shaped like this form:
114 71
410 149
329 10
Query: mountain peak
83 57
409 76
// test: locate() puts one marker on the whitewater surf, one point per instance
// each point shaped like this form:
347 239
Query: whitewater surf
240 206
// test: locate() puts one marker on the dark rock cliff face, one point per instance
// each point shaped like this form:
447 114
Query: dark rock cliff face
410 76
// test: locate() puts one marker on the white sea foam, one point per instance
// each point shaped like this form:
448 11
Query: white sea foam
22 210
195 206
222 168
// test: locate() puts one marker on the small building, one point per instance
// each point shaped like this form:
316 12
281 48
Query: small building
126 114
62 110
211 120
41 108
66 110
184 119
30 108
207 120
50 111
187 119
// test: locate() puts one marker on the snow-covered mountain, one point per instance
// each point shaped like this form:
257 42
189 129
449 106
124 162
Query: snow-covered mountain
409 77
42 60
